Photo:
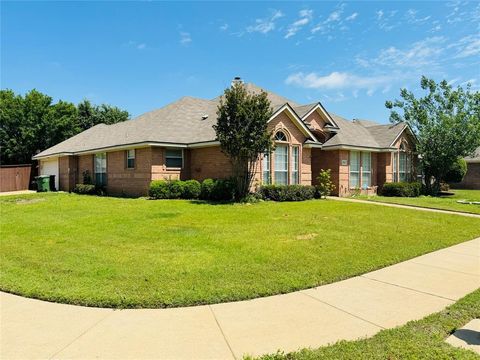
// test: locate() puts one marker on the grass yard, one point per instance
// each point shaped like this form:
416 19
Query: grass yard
447 202
114 252
421 339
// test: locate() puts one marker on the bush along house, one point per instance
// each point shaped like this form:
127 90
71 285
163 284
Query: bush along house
178 142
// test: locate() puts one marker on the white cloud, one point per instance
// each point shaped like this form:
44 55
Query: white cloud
421 53
411 16
467 46
351 17
185 38
386 20
305 16
337 80
135 45
265 25
224 27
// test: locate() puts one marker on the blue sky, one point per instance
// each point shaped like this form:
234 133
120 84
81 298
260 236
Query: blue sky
351 56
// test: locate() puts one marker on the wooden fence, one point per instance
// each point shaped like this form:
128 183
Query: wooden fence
15 177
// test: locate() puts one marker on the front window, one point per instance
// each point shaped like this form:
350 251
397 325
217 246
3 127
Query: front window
266 168
366 170
354 169
131 159
174 158
394 165
101 169
402 170
295 163
281 164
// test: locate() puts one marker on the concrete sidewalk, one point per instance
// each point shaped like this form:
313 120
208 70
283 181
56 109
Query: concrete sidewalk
401 206
357 307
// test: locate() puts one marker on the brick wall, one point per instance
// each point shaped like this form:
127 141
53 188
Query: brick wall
209 162
67 172
85 163
132 182
326 160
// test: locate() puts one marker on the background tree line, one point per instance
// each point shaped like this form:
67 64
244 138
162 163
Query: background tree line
32 123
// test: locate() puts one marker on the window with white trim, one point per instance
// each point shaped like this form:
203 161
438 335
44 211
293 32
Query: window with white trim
281 164
295 164
354 178
266 168
131 159
174 158
366 170
100 161
394 165
402 168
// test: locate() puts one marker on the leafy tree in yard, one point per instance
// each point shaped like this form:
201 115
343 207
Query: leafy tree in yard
457 171
242 131
325 185
33 123
446 122
90 115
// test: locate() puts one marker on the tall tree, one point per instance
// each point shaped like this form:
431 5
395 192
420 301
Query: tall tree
241 128
90 115
446 122
33 123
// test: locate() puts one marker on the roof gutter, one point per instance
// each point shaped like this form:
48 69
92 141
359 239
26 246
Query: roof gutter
358 148
130 146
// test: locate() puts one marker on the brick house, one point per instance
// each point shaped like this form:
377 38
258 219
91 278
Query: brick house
178 142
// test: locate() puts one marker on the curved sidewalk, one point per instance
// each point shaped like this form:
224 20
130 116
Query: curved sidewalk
349 309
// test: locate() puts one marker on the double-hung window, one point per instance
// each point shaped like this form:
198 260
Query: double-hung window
131 159
394 165
174 158
101 169
295 164
281 164
366 170
354 169
266 168
402 169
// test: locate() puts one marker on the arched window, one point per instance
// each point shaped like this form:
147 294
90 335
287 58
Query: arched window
280 136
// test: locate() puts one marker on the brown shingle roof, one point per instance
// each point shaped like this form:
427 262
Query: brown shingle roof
183 122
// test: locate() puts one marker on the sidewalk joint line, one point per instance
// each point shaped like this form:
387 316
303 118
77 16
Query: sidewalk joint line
446 269
80 335
221 331
342 310
408 288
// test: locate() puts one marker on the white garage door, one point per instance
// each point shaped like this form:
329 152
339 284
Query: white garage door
50 167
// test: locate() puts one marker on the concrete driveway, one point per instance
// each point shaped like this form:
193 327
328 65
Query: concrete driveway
350 309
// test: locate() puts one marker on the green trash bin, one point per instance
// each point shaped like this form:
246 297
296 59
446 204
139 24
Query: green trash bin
43 183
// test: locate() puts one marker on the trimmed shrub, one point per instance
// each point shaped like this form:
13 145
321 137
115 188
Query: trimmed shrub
287 192
402 189
206 189
191 189
86 189
217 190
175 188
159 189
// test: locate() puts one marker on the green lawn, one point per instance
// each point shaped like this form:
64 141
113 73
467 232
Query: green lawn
115 252
421 339
447 202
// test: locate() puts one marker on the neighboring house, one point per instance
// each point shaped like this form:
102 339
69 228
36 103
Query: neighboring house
472 177
178 142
